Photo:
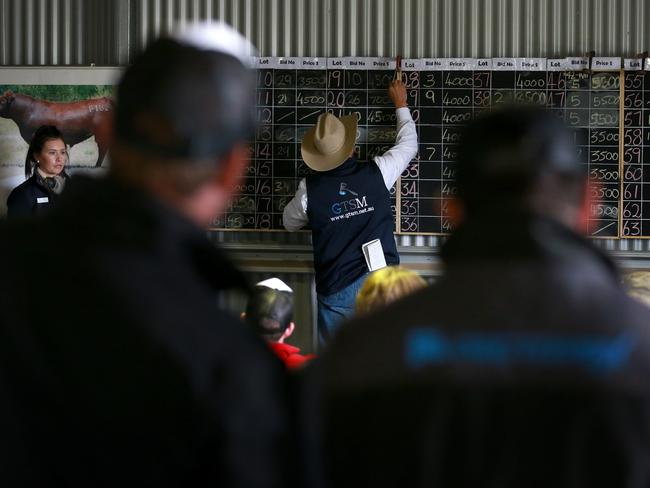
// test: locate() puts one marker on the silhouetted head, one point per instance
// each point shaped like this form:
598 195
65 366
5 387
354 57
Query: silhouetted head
270 312
187 98
184 111
520 158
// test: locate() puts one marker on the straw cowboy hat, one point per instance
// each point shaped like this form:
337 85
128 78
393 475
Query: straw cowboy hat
328 144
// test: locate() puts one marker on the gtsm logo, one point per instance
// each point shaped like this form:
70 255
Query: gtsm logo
352 204
344 190
346 205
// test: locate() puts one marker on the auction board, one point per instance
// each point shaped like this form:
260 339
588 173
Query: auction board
605 101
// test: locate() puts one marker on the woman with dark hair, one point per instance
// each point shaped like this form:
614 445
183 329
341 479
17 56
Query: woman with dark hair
44 169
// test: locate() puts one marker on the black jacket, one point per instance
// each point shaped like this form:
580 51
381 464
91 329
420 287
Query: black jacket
525 365
116 365
347 207
31 197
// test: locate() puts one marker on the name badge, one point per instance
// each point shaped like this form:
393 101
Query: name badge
42 200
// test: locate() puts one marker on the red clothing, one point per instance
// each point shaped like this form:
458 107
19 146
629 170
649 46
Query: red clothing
290 355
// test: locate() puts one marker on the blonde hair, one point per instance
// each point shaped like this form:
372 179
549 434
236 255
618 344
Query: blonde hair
638 285
385 286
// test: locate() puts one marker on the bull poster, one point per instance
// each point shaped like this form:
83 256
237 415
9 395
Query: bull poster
75 100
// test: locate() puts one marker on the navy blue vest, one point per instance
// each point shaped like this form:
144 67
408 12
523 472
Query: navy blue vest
347 207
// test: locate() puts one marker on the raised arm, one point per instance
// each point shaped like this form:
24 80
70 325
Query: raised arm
394 161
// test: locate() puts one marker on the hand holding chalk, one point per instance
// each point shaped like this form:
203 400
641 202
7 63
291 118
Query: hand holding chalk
397 93
398 68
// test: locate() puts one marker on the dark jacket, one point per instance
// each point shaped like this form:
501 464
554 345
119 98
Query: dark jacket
525 365
116 365
347 207
31 197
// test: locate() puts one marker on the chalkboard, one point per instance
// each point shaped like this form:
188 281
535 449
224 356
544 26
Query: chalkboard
635 221
613 138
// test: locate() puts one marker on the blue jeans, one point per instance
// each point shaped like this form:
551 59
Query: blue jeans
335 308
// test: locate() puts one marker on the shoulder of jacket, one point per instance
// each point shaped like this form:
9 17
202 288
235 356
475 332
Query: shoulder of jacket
372 166
22 189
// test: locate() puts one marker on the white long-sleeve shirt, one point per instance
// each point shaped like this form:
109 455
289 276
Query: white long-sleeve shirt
391 164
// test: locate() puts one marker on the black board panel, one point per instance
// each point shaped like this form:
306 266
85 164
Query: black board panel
613 138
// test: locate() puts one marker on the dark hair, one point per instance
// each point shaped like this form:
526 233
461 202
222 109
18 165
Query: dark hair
43 134
507 155
270 312
177 102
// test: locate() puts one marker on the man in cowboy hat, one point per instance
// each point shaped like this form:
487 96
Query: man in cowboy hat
347 205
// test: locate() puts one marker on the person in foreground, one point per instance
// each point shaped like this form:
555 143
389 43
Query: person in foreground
116 365
270 313
526 364
347 204
45 163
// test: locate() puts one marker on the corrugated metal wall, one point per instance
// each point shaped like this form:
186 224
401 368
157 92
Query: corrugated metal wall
59 32
81 32
417 28
111 32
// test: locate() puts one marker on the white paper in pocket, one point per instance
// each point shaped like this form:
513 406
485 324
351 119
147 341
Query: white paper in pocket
374 254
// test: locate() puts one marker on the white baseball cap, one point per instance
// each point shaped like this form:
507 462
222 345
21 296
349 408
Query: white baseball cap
275 284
